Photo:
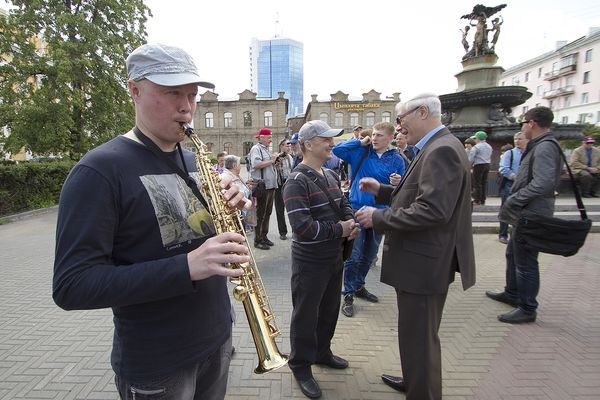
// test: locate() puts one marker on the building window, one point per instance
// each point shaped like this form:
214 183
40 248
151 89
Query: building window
247 119
540 70
339 119
551 104
268 118
386 116
539 90
570 80
209 120
586 77
526 77
228 147
370 119
584 98
582 118
209 146
227 120
248 147
588 55
568 100
354 119
525 109
324 117
554 85
565 120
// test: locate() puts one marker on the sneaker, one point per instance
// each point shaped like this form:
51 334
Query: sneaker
268 242
364 294
348 306
283 237
503 240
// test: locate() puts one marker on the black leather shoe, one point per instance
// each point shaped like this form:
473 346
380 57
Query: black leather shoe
334 362
395 382
364 294
310 388
268 242
262 246
502 297
518 316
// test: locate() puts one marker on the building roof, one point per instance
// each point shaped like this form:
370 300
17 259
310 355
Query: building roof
591 37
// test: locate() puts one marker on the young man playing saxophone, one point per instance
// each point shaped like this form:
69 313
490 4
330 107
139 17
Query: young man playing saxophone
132 236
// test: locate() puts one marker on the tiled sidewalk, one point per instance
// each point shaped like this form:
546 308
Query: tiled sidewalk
47 353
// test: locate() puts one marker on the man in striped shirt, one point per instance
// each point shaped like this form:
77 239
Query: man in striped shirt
321 219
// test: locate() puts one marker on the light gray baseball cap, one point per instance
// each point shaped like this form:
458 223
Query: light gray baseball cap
164 65
317 128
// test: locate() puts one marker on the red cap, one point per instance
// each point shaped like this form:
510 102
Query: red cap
589 139
264 132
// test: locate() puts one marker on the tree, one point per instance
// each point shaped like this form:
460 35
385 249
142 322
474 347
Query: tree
63 86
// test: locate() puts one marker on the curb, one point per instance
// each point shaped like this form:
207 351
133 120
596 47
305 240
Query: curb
27 214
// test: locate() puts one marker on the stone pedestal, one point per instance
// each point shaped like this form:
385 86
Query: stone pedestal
479 72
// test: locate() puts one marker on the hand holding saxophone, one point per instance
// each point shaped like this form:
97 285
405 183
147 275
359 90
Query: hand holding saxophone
213 255
232 193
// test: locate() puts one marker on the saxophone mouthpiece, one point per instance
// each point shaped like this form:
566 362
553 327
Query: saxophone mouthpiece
187 129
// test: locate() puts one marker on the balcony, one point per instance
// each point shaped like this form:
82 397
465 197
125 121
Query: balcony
563 71
563 91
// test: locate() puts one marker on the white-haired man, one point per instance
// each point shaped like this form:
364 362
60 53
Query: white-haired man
427 239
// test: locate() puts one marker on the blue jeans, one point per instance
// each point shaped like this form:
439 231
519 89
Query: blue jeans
204 380
357 266
503 196
522 274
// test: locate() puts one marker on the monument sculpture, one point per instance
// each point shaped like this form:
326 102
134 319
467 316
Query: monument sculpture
479 104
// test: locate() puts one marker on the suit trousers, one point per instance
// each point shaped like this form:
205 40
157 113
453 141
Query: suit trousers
419 318
280 211
264 207
316 290
480 176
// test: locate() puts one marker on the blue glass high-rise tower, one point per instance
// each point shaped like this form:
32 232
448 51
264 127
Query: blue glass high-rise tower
277 65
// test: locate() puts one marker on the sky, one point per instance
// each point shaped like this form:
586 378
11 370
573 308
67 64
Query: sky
355 46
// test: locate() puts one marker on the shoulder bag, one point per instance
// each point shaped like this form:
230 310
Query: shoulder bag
259 188
550 234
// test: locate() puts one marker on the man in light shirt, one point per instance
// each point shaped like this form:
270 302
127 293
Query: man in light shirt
481 155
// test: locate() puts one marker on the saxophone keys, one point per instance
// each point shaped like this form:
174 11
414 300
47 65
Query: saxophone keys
240 293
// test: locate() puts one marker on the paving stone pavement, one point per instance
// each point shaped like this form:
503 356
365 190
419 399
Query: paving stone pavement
48 353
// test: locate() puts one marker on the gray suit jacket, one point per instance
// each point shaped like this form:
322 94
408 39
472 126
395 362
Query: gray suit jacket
428 232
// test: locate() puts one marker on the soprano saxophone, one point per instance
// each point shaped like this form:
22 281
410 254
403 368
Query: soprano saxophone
249 288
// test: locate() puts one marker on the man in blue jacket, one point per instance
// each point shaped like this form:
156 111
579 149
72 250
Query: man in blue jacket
369 157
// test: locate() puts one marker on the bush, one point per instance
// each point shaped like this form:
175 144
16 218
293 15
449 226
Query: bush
31 185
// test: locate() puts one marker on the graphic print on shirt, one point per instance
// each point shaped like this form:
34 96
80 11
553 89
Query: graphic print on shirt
180 215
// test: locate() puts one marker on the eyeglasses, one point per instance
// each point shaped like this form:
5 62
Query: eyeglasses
526 122
400 117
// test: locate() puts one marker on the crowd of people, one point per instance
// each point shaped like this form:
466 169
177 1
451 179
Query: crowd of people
135 234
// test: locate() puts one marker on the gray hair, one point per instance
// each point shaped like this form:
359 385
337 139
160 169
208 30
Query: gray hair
429 100
231 161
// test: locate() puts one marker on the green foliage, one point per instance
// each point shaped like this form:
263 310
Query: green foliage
67 93
31 185
589 130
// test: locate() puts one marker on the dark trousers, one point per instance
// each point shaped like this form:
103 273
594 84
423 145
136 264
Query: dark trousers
504 191
590 183
205 380
316 290
264 207
419 318
522 274
480 175
280 211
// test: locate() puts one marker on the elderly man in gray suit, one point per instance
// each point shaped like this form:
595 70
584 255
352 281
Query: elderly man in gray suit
428 237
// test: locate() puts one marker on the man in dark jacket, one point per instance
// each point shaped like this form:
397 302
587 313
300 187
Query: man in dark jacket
533 193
